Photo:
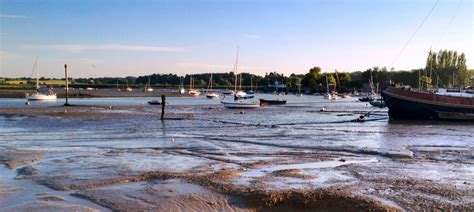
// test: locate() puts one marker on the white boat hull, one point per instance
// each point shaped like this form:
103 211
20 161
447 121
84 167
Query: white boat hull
194 92
331 97
212 96
231 105
241 104
41 97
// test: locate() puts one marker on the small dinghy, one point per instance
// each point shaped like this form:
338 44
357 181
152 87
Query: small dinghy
154 102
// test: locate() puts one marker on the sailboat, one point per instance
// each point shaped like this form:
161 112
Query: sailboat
192 91
181 86
148 88
299 94
239 100
371 95
251 87
38 95
209 93
128 89
118 89
330 95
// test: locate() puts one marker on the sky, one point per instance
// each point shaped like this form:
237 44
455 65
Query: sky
105 38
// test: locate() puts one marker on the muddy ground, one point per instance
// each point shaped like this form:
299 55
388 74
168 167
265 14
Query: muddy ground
207 158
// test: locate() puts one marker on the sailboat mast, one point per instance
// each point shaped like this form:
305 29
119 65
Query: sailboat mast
236 68
240 83
327 85
37 79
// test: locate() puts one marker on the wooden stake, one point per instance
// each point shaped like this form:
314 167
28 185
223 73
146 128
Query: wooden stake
67 86
163 104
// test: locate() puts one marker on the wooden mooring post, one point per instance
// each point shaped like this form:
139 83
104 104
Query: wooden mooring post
67 86
163 104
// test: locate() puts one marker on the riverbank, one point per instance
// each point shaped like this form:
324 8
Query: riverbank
206 157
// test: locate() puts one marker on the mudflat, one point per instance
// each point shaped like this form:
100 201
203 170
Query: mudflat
206 158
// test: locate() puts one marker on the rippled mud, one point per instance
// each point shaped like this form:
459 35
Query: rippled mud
207 158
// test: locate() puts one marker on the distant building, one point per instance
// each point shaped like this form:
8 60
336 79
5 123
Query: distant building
3 81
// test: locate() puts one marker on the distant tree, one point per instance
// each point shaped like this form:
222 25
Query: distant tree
447 67
312 79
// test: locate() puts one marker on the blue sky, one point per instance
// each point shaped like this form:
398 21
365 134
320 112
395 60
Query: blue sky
132 38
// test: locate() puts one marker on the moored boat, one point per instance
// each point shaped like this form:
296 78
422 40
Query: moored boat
272 102
240 100
240 103
378 103
192 91
209 93
148 87
212 95
40 95
406 103
154 102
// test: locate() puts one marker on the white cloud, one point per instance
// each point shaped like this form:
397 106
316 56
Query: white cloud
252 36
83 47
13 16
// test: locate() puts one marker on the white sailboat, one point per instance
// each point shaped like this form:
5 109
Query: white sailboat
192 91
299 94
148 87
330 95
239 100
209 93
181 86
128 89
40 96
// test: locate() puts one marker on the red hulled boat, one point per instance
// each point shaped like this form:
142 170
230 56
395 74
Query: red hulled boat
407 103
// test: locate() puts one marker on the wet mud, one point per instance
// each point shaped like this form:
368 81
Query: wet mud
124 158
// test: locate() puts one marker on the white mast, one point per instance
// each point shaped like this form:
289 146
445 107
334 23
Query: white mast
236 68
35 68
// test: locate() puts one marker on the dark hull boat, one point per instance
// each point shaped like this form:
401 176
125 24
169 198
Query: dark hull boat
378 103
272 102
404 103
154 102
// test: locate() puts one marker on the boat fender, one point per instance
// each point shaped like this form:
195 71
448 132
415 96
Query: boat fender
27 103
322 109
361 118
242 112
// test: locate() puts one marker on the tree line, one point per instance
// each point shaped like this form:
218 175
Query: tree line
445 68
